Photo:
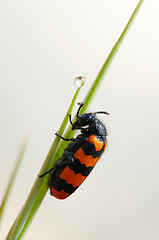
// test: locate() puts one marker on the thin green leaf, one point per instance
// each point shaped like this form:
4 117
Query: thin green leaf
69 133
12 178
40 186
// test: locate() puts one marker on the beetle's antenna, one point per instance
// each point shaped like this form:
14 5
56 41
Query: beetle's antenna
101 112
80 106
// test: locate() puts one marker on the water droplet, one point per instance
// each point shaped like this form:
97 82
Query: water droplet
79 81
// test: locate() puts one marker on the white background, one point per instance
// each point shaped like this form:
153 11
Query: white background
44 45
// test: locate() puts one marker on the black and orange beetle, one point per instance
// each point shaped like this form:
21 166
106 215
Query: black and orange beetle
80 156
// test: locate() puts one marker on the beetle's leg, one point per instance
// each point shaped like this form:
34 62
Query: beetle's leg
68 158
80 106
66 139
40 176
70 119
77 115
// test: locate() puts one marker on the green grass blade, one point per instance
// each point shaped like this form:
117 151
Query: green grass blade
12 178
41 185
69 133
109 59
39 188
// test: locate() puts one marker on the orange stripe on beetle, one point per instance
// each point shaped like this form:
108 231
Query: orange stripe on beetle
89 161
59 194
98 145
72 178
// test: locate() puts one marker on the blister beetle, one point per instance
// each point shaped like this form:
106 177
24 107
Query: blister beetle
80 156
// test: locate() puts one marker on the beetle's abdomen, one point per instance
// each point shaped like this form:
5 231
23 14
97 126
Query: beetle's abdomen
65 180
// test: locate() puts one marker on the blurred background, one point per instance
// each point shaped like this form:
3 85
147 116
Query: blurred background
44 45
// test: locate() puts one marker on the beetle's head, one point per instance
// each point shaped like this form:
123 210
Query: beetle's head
84 120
